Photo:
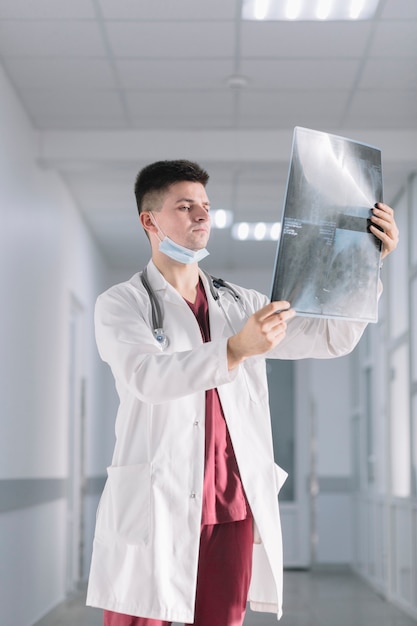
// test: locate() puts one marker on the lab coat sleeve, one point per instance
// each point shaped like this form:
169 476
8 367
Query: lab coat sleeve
125 341
319 338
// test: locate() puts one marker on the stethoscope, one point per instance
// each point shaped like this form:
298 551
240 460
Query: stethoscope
215 284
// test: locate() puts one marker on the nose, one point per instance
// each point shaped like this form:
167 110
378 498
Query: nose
201 214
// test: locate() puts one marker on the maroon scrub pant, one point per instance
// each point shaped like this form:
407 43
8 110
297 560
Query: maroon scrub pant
224 573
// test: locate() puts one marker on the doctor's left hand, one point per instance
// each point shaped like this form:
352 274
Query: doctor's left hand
383 218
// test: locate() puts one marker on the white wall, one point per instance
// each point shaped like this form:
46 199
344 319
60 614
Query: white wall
47 257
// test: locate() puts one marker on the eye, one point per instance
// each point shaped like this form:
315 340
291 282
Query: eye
185 207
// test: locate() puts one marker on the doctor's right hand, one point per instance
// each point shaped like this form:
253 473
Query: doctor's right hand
264 330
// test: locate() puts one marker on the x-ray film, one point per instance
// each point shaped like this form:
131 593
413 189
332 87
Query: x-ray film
327 262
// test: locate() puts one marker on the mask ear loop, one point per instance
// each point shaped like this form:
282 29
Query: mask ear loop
155 223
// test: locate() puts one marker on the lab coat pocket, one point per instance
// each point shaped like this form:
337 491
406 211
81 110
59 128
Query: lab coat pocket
125 512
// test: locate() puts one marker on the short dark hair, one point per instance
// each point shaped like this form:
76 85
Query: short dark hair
155 178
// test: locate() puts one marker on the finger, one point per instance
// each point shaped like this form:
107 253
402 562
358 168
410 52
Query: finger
389 240
382 215
385 215
272 308
271 335
280 317
383 210
384 218
280 305
386 236
385 207
277 323
287 314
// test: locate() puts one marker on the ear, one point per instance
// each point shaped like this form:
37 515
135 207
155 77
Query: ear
147 223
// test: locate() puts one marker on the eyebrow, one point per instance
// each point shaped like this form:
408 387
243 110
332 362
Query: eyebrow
191 201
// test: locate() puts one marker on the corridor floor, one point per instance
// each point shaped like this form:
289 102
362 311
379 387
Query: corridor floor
330 597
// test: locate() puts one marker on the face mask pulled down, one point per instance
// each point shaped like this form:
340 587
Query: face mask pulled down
177 252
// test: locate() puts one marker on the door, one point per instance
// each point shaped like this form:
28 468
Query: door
292 422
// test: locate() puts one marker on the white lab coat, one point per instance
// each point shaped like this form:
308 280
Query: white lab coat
148 523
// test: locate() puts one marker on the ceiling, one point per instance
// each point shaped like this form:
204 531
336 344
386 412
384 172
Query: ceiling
112 85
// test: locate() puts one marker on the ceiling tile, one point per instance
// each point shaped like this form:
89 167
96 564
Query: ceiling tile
171 39
72 103
50 39
304 39
179 105
397 73
260 202
61 73
87 121
166 9
219 193
383 108
395 39
177 121
259 172
399 9
104 190
46 9
283 109
174 74
299 74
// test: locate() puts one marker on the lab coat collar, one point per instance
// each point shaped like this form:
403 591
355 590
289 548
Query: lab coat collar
161 286
165 291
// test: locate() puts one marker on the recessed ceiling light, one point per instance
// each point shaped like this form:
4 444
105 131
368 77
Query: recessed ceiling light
237 81
221 218
308 9
256 231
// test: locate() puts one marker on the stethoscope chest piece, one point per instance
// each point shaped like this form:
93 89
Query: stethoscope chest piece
161 338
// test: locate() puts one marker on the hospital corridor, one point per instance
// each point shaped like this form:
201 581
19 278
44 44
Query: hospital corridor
91 92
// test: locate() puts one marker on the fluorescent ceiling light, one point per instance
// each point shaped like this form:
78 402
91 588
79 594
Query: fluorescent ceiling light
256 231
308 9
323 9
293 9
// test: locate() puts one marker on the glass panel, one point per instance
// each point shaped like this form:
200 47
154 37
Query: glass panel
354 365
413 196
413 329
281 401
366 342
370 456
397 265
356 446
400 423
414 446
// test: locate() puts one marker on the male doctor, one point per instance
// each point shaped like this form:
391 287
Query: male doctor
188 526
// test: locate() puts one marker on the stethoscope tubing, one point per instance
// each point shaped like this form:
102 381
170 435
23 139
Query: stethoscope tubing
215 284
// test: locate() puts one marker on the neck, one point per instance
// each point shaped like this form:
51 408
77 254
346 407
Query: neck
184 278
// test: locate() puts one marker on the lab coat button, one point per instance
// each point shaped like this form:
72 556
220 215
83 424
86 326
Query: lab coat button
196 423
192 494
